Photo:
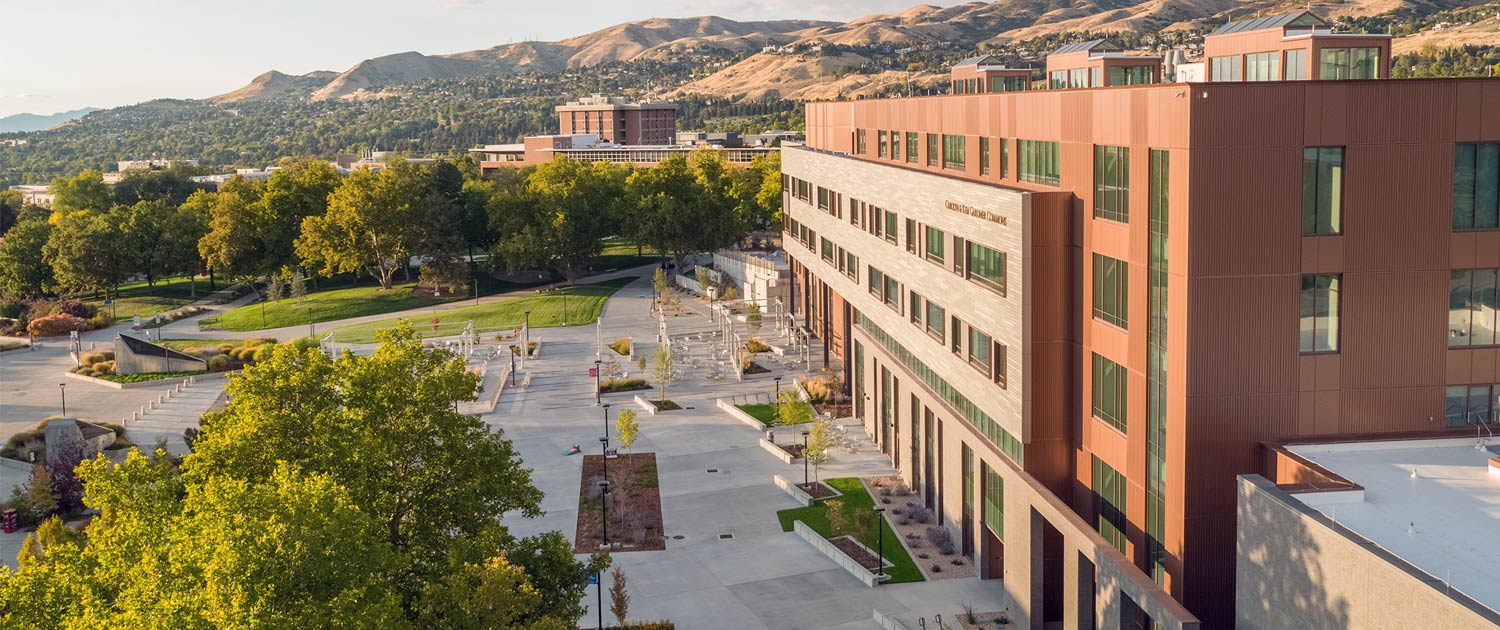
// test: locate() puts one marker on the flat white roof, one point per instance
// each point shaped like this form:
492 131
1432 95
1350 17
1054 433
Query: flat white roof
1453 505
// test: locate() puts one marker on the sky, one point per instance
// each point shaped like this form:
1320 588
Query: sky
58 55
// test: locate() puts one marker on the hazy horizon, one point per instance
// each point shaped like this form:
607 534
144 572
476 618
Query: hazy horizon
97 54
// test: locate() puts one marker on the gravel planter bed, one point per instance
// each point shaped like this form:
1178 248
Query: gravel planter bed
635 522
818 490
916 535
859 553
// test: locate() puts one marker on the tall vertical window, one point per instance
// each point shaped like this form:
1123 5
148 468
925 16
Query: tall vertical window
1109 392
1349 63
1322 190
935 241
911 235
1111 290
1039 162
1112 183
1078 78
859 142
1225 68
1472 308
912 147
1295 63
1263 66
1476 186
994 502
881 144
826 249
890 226
984 155
1319 324
1156 368
986 267
968 499
935 317
1004 158
932 149
1057 80
1109 503
916 311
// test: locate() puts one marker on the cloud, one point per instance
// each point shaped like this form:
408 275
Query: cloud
27 96
790 9
458 4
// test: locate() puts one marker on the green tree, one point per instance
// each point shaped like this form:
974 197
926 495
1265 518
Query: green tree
371 222
619 598
661 370
562 214
481 595
627 427
84 191
170 186
561 579
820 442
11 203
661 210
86 251
144 239
791 409
233 245
765 213
753 317
23 269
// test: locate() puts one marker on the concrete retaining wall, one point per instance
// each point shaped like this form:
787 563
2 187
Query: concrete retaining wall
776 450
790 488
739 414
645 404
164 381
826 548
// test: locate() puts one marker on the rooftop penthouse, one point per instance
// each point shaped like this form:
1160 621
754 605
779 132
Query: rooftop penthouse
591 148
1294 47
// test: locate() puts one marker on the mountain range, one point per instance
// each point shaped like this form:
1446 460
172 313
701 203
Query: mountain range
38 122
773 55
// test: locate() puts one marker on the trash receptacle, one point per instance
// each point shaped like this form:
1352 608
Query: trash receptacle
11 520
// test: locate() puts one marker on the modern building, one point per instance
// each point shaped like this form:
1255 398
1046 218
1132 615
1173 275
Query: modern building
35 194
1072 317
985 73
591 148
1294 47
1099 63
620 120
1374 534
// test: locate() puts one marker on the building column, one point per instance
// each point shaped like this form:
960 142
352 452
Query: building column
1078 590
1024 561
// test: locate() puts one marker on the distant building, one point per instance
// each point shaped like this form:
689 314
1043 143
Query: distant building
1382 534
127 166
979 75
217 181
35 194
591 148
1099 63
619 119
1294 47
376 160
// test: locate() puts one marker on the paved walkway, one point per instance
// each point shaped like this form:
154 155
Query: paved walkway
177 413
762 578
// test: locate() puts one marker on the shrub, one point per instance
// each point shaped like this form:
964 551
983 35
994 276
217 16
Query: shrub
920 513
225 348
263 352
258 341
105 367
11 310
621 346
304 343
940 538
52 325
756 346
622 385
90 358
936 568
218 363
100 320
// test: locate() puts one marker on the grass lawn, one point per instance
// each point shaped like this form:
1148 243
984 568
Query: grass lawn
855 497
183 344
766 414
138 299
571 306
619 253
322 306
146 376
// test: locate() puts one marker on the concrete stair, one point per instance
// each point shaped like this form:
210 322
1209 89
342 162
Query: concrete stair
178 412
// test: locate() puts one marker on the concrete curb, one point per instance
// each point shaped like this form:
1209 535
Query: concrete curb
780 454
824 546
798 493
739 414
888 622
165 381
644 404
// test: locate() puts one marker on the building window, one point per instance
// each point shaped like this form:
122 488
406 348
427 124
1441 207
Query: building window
994 502
1264 66
1470 404
823 196
827 249
1004 158
979 351
1111 290
1349 63
892 294
1471 308
895 145
935 240
917 312
911 236
1225 68
1039 162
932 149
935 317
1096 77
986 267
1476 186
1322 190
1319 327
954 157
968 500
1007 84
1109 392
1057 80
890 226
956 335
1295 64
877 281
1112 183
984 155
881 144
1133 75
859 142
911 147
1109 503
1078 78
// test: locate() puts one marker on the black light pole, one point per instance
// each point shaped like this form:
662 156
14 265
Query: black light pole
604 510
605 439
880 547
804 458
476 292
778 389
526 341
63 387
599 582
512 369
596 387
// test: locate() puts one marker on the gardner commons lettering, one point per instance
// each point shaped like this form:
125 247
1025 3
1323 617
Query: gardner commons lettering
976 212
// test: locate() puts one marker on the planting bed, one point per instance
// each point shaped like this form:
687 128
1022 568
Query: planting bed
857 552
665 405
817 489
919 531
755 368
635 522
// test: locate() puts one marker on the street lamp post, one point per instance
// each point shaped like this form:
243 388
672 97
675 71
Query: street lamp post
804 458
880 546
512 369
596 389
599 585
310 330
605 439
778 389
63 388
604 511
476 292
